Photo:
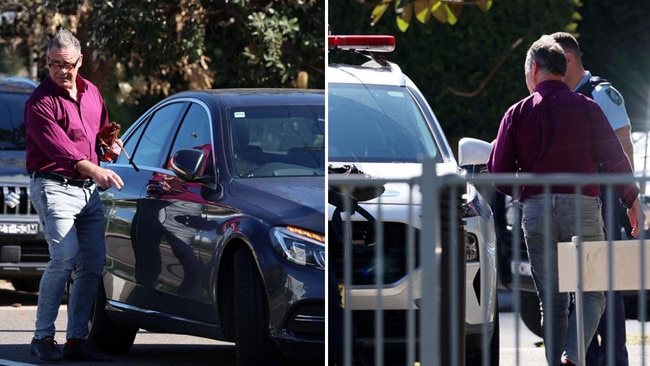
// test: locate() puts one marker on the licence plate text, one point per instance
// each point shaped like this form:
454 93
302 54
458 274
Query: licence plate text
18 228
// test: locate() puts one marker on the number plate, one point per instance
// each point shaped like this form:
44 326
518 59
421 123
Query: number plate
17 228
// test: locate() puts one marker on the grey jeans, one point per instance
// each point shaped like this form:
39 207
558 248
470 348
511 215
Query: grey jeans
73 224
542 236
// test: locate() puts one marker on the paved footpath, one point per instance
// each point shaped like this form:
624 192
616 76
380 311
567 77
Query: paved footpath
529 351
519 346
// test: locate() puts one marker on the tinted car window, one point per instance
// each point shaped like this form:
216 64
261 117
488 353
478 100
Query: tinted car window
12 128
150 148
129 144
194 131
377 123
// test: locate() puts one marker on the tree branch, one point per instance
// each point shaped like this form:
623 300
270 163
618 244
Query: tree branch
501 61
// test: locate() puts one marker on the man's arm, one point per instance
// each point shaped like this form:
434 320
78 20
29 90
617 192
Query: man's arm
502 159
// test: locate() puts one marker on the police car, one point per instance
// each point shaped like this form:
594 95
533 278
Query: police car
380 124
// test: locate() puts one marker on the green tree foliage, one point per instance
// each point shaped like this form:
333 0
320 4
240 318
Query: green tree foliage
267 43
470 72
140 51
445 11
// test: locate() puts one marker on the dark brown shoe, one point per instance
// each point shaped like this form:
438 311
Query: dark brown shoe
45 349
85 351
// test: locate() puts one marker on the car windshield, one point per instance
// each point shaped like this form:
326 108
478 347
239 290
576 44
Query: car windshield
12 128
376 123
282 140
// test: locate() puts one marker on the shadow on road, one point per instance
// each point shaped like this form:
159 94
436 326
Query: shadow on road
151 354
144 354
17 298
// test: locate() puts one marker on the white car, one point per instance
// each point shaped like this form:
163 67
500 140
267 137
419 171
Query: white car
380 124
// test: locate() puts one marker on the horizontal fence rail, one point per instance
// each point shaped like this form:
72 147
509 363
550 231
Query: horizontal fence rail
401 268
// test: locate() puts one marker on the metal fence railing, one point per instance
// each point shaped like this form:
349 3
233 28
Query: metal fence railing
416 264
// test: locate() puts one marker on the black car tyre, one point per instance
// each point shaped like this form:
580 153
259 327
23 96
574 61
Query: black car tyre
111 338
254 345
530 312
495 343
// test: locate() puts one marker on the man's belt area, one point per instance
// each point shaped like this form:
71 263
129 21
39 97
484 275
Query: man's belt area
81 183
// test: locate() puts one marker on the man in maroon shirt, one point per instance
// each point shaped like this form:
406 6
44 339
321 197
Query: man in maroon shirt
538 135
62 119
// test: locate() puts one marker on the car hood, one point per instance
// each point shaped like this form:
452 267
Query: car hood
296 201
399 193
12 166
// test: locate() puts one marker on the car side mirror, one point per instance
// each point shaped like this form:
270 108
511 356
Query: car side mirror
473 154
189 165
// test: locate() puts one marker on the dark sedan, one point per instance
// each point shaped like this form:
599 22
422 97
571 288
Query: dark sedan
219 229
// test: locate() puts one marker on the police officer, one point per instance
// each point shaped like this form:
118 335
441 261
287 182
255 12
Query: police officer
613 105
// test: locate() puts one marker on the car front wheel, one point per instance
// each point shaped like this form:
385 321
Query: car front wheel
111 338
253 343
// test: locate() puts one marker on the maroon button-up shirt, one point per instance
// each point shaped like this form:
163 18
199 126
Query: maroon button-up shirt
555 130
61 131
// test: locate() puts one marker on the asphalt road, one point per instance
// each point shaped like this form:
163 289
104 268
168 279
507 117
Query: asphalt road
519 346
17 315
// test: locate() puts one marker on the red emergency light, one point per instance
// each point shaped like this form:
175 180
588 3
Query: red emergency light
362 43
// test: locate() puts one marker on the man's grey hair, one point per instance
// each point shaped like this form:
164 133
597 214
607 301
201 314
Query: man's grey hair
548 55
64 39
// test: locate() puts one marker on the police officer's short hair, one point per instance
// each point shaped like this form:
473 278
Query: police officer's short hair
548 55
567 41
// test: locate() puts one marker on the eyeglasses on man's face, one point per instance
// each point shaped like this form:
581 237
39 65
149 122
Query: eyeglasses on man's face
62 65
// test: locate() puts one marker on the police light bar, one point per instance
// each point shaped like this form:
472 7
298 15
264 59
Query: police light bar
362 43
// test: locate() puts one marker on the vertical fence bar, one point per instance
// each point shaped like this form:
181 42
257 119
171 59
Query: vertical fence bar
348 339
580 333
486 336
517 277
429 260
379 284
457 306
410 269
549 326
642 294
610 226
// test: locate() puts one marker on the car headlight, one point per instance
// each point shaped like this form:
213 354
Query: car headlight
300 246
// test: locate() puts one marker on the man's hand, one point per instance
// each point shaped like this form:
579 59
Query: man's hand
105 178
636 216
